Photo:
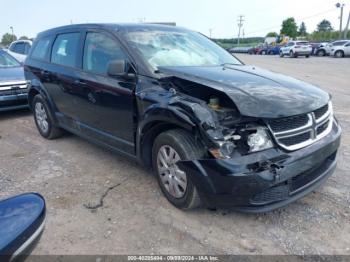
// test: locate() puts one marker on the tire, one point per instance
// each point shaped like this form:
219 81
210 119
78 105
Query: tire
182 195
263 52
292 54
44 120
321 53
339 54
281 54
307 56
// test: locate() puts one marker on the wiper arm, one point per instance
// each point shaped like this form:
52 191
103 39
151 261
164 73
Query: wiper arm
226 64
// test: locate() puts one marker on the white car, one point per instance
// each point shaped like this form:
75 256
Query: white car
20 49
340 48
323 49
296 48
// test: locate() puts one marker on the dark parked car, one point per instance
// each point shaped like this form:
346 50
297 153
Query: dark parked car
269 50
13 86
214 130
255 50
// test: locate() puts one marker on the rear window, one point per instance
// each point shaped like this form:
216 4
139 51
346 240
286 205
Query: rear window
65 49
41 49
19 48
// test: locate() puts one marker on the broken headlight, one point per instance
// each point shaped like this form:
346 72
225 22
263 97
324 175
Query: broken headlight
225 150
260 140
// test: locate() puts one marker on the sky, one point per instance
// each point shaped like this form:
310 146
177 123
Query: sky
29 17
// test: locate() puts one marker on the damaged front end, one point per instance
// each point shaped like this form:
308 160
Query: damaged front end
244 167
223 130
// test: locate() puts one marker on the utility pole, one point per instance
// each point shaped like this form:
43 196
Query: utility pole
13 35
341 6
347 27
210 31
240 24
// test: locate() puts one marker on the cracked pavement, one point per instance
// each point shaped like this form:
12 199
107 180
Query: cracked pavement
101 203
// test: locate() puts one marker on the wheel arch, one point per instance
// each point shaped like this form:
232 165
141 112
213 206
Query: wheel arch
37 89
150 129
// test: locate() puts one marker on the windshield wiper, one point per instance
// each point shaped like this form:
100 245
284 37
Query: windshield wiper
226 64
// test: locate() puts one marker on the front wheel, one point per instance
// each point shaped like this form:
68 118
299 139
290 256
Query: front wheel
321 53
43 119
169 148
292 54
281 54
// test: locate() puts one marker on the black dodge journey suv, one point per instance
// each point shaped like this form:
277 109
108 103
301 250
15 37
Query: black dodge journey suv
215 131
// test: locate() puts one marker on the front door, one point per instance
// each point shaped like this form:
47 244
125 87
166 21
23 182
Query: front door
103 104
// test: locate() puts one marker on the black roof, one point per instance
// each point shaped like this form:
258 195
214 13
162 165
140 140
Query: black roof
114 26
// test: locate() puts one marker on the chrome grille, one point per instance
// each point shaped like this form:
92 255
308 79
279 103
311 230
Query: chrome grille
296 132
288 123
297 139
321 112
13 88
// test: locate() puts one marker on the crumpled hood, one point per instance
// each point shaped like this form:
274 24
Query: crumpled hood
11 74
256 92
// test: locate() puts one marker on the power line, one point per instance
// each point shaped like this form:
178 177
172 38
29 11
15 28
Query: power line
301 19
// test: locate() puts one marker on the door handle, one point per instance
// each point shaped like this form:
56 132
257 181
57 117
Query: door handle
80 82
45 73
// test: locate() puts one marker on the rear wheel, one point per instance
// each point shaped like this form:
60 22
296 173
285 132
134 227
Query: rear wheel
43 119
169 148
339 54
307 56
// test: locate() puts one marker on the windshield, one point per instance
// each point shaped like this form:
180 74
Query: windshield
166 48
7 61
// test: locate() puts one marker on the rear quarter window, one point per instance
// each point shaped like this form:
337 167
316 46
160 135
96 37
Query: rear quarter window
41 49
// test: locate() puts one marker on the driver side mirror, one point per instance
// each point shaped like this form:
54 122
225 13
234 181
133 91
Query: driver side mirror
120 68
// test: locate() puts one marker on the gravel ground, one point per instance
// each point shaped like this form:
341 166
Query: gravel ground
101 203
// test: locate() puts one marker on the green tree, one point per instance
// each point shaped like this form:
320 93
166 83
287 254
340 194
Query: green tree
8 39
289 27
302 29
324 26
272 34
24 37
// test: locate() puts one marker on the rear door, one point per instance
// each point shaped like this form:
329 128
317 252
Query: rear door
59 76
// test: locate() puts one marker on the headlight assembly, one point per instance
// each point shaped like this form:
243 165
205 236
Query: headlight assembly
260 140
225 150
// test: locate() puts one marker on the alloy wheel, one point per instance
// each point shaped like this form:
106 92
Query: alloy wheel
41 117
173 178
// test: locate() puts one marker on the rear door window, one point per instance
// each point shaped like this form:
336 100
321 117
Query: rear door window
41 49
64 50
99 50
